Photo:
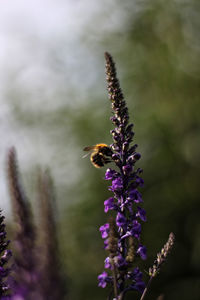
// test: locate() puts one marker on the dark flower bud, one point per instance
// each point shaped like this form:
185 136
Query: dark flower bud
134 157
114 105
127 169
5 257
125 146
125 120
130 135
115 156
139 171
115 147
132 149
129 128
115 120
116 135
137 156
124 111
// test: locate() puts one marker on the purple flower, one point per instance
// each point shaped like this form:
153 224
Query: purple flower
103 279
136 229
105 243
120 261
109 204
136 274
120 220
142 251
104 229
136 277
110 174
127 169
135 196
6 256
107 263
141 213
139 286
117 185
139 181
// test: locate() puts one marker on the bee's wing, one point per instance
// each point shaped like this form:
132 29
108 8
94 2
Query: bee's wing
85 155
89 148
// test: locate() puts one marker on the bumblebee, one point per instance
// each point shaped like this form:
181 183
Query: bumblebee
98 156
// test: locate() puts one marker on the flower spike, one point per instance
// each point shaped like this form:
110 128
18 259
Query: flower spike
125 230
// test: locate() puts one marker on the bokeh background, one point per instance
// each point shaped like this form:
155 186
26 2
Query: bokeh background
54 103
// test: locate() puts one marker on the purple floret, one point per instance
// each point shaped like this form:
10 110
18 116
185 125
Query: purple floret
104 229
103 279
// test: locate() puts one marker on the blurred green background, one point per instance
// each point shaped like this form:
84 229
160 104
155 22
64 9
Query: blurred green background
54 103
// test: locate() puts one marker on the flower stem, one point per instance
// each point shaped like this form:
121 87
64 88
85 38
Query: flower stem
146 288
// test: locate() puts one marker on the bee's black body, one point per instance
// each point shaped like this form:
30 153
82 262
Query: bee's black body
98 157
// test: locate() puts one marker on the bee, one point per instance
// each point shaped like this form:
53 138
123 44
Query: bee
98 156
